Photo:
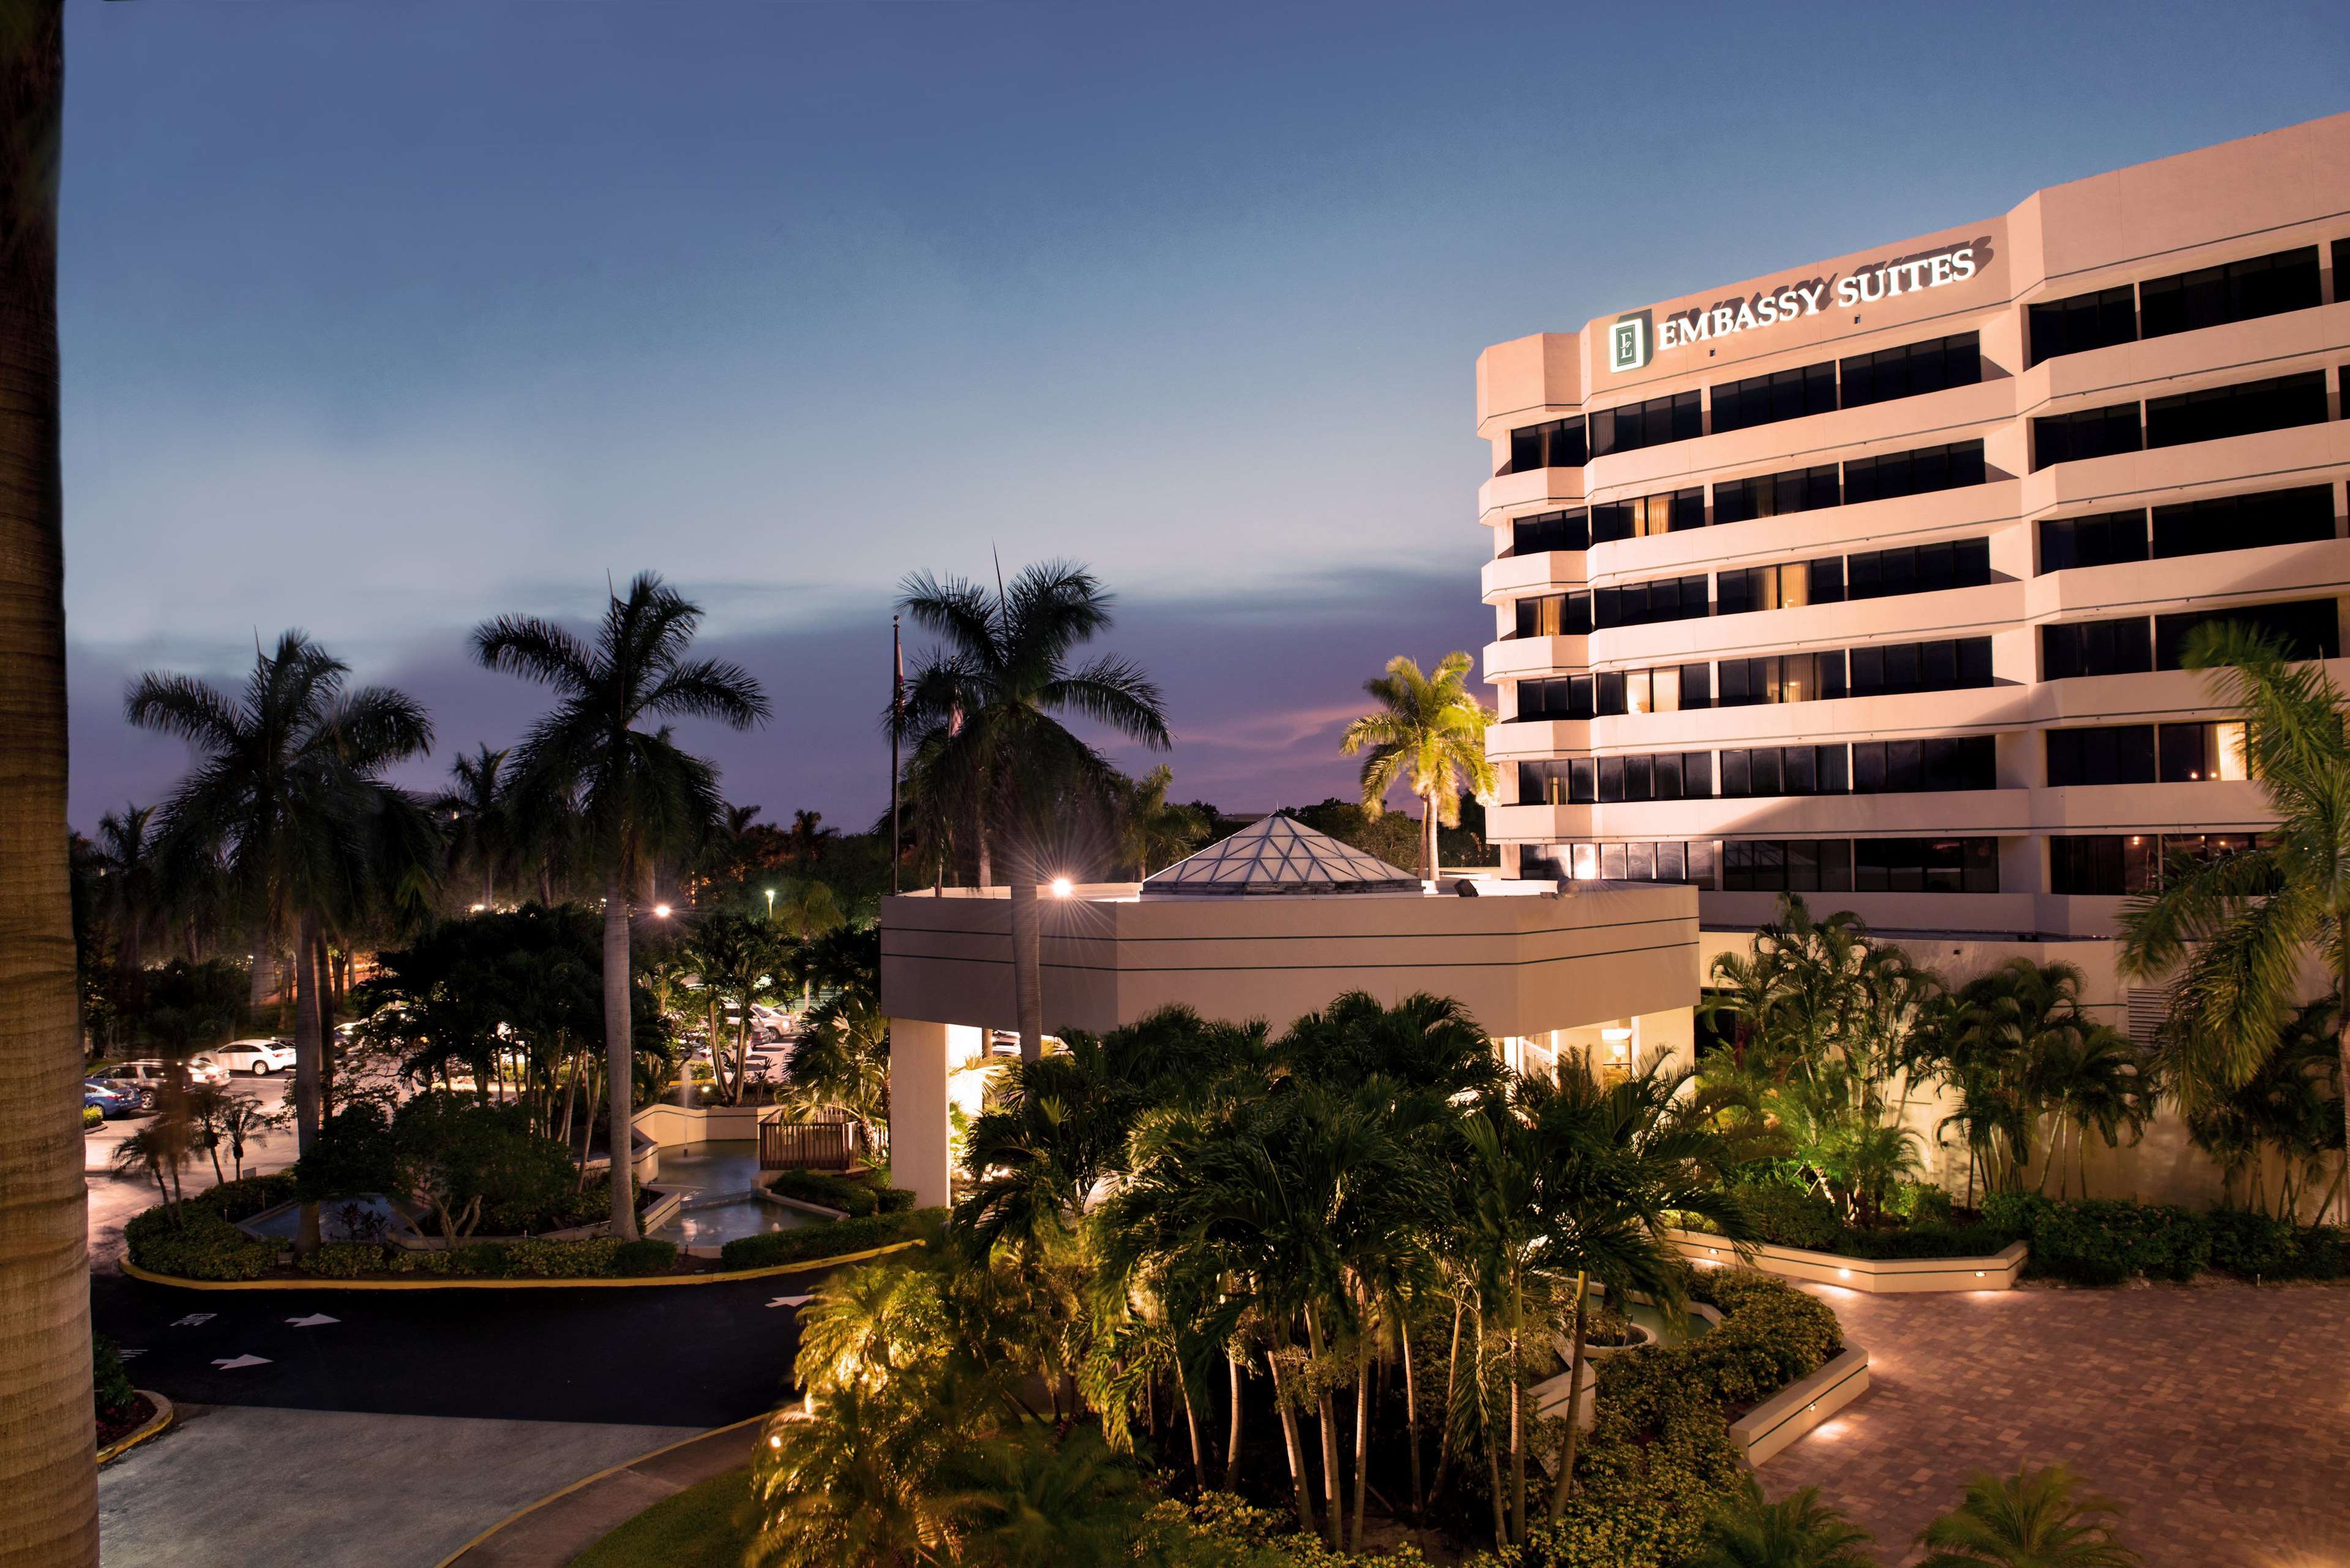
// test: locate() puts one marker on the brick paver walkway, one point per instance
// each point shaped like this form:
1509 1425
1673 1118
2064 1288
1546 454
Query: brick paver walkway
2217 1416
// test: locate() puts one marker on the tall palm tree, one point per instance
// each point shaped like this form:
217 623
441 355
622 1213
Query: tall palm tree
2029 1520
47 1470
1153 832
130 887
1430 732
288 798
739 958
1749 1531
478 817
2011 1033
990 752
639 793
2236 929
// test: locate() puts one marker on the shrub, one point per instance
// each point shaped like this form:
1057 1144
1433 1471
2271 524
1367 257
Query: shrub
192 1242
2014 1214
342 1260
1793 1217
244 1199
1921 1203
560 1260
91 1117
2103 1241
896 1200
855 1198
826 1240
109 1384
1931 1241
2258 1247
630 1259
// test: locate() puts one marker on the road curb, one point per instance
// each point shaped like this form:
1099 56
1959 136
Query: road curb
586 1481
652 1282
153 1428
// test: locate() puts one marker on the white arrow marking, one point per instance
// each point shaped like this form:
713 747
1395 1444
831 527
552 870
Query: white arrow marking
242 1360
128 1354
313 1321
791 1301
194 1320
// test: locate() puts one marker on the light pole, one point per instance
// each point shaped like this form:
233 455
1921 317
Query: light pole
771 905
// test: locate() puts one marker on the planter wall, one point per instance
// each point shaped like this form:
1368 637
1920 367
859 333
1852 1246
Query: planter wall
1798 1407
1878 1276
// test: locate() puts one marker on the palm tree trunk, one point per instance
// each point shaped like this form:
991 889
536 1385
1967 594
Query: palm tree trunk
1574 1397
1362 1428
1452 1394
618 1049
1326 1419
46 1422
1411 1412
1428 837
1289 1435
309 1080
1191 1421
1232 1435
2342 1044
322 999
1517 1414
1028 960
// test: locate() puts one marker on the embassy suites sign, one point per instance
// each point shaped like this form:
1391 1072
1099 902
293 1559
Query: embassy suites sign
1629 347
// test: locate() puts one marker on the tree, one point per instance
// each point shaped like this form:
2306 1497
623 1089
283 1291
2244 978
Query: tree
2237 928
1154 833
1749 1531
1430 732
132 889
2289 1108
2020 1046
288 797
638 792
484 840
989 754
2029 1520
739 959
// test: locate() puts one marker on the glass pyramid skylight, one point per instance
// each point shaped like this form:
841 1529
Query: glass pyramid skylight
1279 854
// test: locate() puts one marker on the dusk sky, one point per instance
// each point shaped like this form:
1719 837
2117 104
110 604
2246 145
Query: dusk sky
382 319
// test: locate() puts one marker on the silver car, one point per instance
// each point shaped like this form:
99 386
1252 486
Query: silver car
262 1057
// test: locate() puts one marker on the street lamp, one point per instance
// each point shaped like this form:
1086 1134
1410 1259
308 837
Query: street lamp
770 904
1060 887
660 911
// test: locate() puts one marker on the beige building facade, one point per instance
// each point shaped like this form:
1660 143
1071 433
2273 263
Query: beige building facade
1867 578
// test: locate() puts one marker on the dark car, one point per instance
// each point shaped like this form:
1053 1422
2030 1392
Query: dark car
111 1100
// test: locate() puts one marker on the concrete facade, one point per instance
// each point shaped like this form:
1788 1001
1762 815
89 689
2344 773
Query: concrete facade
1611 971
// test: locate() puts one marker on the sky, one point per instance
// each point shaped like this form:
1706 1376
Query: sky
381 321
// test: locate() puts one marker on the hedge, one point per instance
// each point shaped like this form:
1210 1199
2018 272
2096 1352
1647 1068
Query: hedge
192 1241
1659 1454
854 1197
2103 1241
825 1240
1793 1217
601 1259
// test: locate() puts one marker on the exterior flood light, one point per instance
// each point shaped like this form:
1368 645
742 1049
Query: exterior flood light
1061 886
662 910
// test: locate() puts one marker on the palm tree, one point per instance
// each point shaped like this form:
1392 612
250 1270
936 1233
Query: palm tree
130 885
1749 1531
482 834
637 792
45 1445
2011 1033
739 959
2237 928
288 799
990 754
2029 1520
1430 732
1153 832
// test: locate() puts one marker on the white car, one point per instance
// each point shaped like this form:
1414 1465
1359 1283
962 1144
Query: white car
263 1056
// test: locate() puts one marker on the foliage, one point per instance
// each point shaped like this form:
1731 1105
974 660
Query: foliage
342 1260
2103 1241
2287 1115
707 1525
1220 1529
841 1061
477 1165
826 1240
110 1384
2034 1519
1428 735
2254 1246
1747 1530
192 1241
855 1197
1154 832
1794 1217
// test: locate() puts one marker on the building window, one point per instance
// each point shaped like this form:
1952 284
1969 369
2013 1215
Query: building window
1543 783
1643 604
2278 403
1670 860
1787 866
2117 865
2084 322
1782 395
1567 698
2111 754
1785 770
1925 865
2100 540
1653 423
1918 569
2092 432
1556 444
1668 512
1913 472
1554 615
1934 764
2239 291
1637 777
2309 629
1550 531
1781 587
1895 668
2119 647
1775 494
1909 372
1781 678
2294 517
2200 753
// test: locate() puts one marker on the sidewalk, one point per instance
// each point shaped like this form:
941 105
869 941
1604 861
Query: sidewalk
553 1530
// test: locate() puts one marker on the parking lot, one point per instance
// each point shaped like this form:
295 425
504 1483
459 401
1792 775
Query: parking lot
114 1199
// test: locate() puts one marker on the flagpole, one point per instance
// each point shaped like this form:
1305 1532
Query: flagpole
897 719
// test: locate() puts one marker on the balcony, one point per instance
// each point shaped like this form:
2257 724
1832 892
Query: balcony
2239 351
2307 570
2305 454
1546 571
1537 489
1514 657
1985 811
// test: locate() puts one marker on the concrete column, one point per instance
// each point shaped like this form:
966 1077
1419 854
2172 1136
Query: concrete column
918 1110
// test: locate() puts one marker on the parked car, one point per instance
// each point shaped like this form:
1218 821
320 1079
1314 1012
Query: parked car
109 1100
263 1056
146 1078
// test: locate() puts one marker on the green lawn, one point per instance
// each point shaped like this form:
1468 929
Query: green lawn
704 1526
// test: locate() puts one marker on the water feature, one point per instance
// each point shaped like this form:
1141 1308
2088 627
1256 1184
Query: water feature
726 1164
369 1217
715 1220
1653 1319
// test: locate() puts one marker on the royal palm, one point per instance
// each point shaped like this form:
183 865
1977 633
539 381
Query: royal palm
991 756
637 792
1430 732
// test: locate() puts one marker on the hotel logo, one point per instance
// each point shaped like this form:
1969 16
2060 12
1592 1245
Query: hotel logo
1627 343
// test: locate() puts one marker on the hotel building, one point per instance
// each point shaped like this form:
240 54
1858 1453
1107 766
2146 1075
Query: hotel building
1867 578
